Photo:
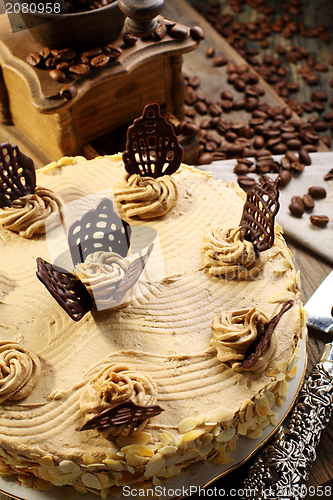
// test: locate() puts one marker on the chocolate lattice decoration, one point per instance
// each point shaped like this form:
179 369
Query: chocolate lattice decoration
67 290
152 148
132 274
100 229
17 174
123 413
259 211
257 347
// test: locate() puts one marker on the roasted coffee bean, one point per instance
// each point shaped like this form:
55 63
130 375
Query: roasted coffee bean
251 104
57 75
65 54
226 94
308 202
317 192
287 136
220 61
285 176
329 175
215 110
190 96
294 144
296 210
112 51
259 142
227 105
313 119
246 182
321 126
197 33
178 32
231 136
210 52
241 169
210 146
99 61
298 200
79 69
45 53
231 68
68 93
326 140
328 117
319 95
205 123
96 51
234 150
297 167
34 59
201 107
218 156
321 67
304 156
285 163
64 65
239 85
319 220
205 159
238 104
246 131
51 63
291 157
279 149
307 106
160 32
190 129
319 106
310 148
194 81
212 137
129 39
190 113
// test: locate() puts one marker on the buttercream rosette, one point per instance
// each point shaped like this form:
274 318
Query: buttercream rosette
228 254
32 213
112 385
101 273
234 332
19 371
146 197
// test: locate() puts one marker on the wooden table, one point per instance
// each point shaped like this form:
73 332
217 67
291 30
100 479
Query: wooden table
313 268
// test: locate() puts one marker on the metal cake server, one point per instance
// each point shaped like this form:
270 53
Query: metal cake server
282 469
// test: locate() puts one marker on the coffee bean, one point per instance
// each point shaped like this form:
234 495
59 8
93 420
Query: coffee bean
205 159
99 61
317 192
234 150
215 110
287 136
308 202
218 156
51 63
279 149
326 140
319 220
201 107
285 176
227 105
239 85
79 69
197 33
304 156
194 81
246 182
220 61
251 104
160 32
45 53
226 94
320 126
231 136
178 32
129 39
65 54
113 52
96 51
212 137
238 104
190 96
34 59
296 210
259 142
241 169
329 175
285 163
231 68
190 129
318 95
321 67
210 52
68 93
57 75
294 144
310 148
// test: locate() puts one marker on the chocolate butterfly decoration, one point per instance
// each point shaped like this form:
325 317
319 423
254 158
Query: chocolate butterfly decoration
256 348
17 174
259 211
123 413
152 148
100 229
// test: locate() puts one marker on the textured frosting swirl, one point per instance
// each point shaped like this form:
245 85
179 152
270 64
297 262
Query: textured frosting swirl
146 197
19 371
227 253
101 273
27 215
112 385
234 331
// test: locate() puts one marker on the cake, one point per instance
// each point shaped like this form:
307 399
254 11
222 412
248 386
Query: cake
175 343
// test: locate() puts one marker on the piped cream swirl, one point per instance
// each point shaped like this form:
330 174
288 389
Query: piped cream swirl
101 273
233 333
32 213
227 253
112 385
146 197
19 371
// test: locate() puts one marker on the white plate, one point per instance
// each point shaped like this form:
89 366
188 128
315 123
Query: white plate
195 477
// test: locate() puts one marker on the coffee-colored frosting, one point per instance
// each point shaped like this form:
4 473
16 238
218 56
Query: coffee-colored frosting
234 332
146 197
19 371
112 385
32 213
101 273
227 253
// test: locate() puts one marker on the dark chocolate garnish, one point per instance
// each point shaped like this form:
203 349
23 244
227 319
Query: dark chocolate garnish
133 273
100 229
152 147
126 412
17 174
257 347
66 288
259 211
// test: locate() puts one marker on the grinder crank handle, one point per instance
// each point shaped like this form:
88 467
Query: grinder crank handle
282 469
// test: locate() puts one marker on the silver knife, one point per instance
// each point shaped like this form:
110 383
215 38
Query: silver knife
320 306
282 470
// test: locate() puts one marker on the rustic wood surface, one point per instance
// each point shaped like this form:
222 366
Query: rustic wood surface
313 268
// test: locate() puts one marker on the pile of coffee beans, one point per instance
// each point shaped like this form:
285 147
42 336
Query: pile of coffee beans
299 205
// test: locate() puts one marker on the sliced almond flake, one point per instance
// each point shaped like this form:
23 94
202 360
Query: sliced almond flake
298 279
188 424
281 297
168 450
282 365
131 453
143 449
291 374
142 438
282 266
115 465
206 439
280 376
279 401
112 454
103 478
88 459
170 461
155 468
215 432
166 437
189 455
192 435
303 318
201 418
68 466
226 435
255 434
91 481
274 419
220 415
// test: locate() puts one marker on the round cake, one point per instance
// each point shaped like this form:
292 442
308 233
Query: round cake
173 344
